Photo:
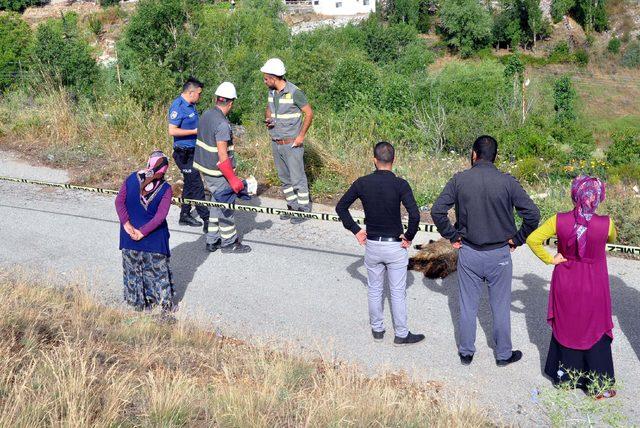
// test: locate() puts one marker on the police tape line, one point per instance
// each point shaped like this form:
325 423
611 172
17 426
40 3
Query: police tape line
424 227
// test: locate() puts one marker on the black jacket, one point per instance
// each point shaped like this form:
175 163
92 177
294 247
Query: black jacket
381 194
484 200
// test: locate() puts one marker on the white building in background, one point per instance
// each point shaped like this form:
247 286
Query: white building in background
335 7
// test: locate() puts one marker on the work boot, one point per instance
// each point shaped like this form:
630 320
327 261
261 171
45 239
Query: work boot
236 248
411 339
298 220
286 216
188 220
214 247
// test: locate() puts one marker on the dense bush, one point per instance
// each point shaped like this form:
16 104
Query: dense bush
20 5
625 149
61 55
15 43
560 53
466 25
631 56
614 45
581 57
564 97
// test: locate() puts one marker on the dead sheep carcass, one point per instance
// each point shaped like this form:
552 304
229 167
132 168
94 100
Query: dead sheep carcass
437 259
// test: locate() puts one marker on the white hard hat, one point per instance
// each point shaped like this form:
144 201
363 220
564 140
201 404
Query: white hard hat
227 90
274 66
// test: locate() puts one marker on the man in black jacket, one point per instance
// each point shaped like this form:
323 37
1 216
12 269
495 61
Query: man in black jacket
485 233
385 244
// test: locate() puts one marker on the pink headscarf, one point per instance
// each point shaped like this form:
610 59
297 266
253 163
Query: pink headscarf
587 193
152 176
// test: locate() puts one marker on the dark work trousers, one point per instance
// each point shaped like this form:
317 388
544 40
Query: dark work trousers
193 187
475 268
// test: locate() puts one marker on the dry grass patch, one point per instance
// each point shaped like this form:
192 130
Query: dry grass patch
66 361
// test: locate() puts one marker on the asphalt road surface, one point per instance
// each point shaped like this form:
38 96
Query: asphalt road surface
304 287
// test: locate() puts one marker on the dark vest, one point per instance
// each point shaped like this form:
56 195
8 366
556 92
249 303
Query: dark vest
158 240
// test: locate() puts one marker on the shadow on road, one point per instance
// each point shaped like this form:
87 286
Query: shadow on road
625 301
534 307
186 258
246 221
449 287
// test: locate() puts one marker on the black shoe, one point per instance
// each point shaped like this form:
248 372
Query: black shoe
286 216
213 247
187 220
515 356
236 248
409 340
377 335
465 359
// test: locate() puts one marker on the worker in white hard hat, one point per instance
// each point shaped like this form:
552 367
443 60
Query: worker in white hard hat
215 158
288 117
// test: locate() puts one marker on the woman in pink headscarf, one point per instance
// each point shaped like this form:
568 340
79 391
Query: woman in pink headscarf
579 301
142 206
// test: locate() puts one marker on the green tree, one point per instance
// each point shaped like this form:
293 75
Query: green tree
560 8
564 97
520 22
15 43
158 28
63 56
466 25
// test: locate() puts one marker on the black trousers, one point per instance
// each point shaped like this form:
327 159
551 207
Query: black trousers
193 187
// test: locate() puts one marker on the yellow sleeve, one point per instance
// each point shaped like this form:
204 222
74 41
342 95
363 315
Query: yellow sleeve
536 240
613 233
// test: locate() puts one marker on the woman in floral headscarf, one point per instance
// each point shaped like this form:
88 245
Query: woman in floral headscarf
579 300
142 206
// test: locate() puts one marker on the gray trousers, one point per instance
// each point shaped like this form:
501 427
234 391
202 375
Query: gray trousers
222 225
474 269
289 162
391 259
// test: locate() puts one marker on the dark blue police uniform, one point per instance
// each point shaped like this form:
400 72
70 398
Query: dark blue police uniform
185 116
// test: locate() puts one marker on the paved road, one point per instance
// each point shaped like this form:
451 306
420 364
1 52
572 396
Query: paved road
305 285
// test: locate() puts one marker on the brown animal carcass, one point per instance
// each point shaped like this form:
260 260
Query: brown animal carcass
437 259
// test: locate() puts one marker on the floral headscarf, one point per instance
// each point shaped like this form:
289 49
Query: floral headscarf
152 177
587 193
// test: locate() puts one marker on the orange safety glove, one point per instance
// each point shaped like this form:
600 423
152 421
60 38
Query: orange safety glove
226 168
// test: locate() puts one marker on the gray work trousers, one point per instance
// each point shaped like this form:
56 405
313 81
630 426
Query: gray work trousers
475 268
222 225
289 163
391 259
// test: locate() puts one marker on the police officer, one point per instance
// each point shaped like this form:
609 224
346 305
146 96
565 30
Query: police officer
288 117
183 127
215 158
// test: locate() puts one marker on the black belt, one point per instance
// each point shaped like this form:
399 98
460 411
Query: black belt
184 149
383 239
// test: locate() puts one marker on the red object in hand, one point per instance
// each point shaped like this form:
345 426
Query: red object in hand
226 168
